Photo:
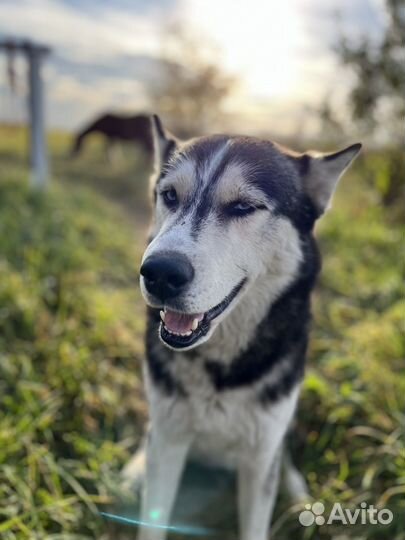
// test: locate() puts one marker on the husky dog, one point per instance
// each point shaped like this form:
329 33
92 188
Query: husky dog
227 276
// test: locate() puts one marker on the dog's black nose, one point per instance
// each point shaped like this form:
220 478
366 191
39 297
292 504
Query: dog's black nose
167 274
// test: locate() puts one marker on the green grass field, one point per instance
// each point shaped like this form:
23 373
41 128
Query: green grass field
71 324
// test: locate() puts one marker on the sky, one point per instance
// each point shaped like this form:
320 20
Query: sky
105 54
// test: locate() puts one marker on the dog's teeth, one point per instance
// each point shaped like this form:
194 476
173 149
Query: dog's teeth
195 324
188 333
162 315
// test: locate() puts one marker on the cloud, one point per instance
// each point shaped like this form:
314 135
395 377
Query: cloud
105 54
78 34
137 67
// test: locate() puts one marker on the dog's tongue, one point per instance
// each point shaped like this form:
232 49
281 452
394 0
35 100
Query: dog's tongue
180 323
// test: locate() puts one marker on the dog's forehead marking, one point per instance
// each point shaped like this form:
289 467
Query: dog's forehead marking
211 162
214 165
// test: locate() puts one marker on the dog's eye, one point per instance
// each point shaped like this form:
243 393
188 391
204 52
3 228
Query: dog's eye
240 208
170 197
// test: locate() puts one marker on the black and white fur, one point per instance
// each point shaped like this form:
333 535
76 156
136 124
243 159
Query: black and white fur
244 219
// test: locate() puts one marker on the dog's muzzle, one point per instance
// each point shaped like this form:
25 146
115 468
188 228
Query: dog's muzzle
166 276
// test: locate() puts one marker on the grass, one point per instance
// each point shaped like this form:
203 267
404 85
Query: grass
71 324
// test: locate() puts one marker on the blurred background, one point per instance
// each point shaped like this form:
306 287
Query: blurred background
307 73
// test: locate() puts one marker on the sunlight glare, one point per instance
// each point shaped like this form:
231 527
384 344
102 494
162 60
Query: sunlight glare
261 46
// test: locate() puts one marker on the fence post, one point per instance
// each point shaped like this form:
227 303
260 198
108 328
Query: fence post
38 153
34 54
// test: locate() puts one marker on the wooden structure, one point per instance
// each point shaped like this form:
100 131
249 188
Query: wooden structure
35 54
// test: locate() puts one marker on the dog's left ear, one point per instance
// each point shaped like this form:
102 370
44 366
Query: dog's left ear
164 143
321 173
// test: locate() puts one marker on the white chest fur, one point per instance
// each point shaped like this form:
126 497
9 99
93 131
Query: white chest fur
225 426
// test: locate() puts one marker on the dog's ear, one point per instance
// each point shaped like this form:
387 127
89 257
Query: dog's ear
164 143
321 172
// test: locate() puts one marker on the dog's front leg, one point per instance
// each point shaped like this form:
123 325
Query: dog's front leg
259 468
258 482
165 459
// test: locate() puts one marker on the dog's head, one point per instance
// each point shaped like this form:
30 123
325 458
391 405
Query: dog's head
226 211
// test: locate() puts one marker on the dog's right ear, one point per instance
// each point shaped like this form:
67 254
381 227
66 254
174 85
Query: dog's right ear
164 143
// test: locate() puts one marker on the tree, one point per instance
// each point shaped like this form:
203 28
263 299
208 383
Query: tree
377 98
194 87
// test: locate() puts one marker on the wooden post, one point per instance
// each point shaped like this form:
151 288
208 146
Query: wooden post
38 156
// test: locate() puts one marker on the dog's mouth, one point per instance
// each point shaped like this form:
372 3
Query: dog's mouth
180 330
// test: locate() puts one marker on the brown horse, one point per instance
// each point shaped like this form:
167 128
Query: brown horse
135 128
